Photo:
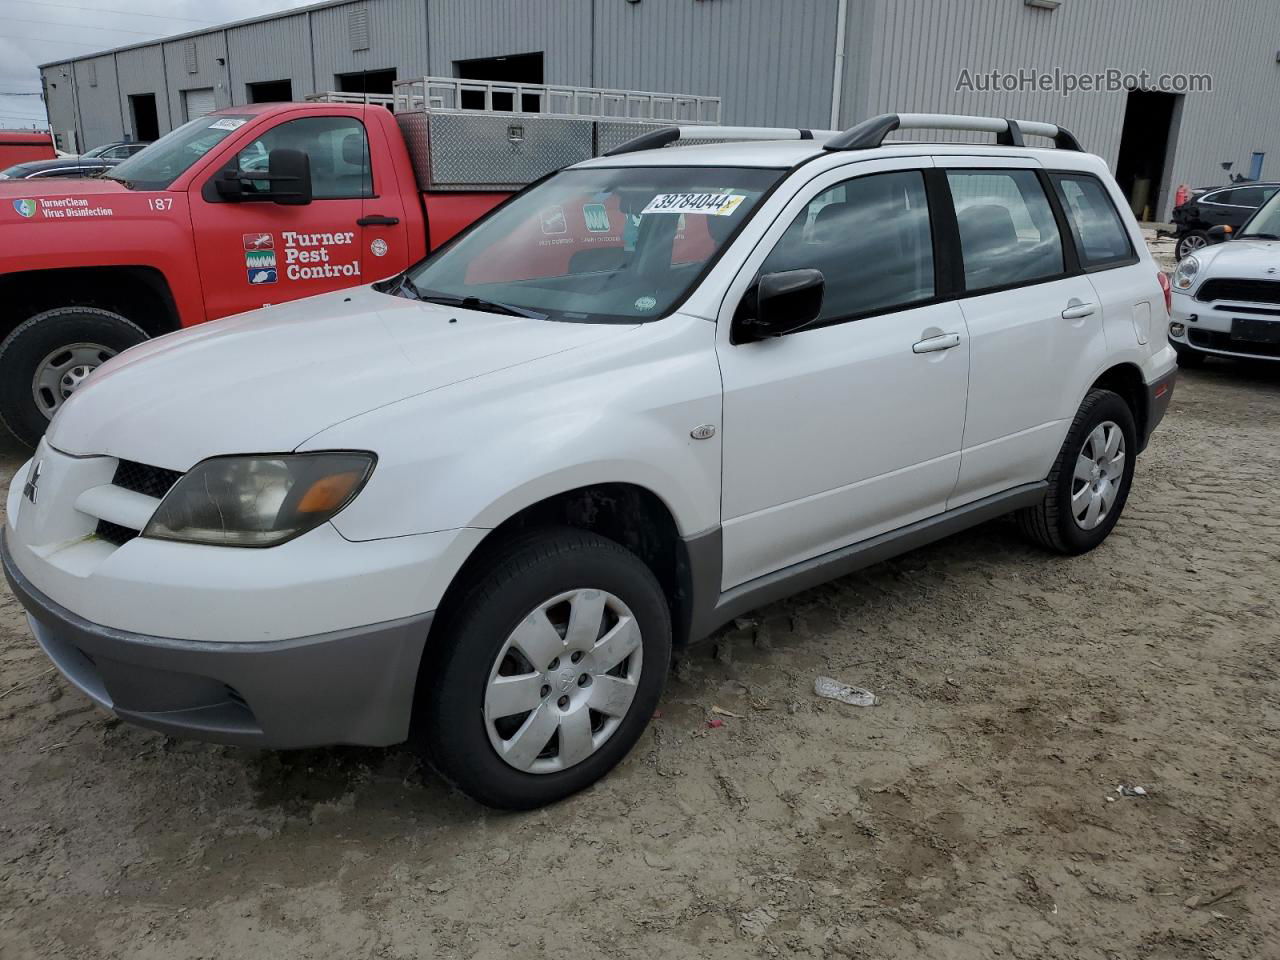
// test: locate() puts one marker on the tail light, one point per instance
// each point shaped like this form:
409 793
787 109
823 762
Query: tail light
1168 291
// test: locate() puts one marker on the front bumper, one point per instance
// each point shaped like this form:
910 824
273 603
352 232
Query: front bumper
353 686
1208 328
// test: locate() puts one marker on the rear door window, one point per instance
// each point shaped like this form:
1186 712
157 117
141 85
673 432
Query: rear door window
872 241
1099 233
1008 235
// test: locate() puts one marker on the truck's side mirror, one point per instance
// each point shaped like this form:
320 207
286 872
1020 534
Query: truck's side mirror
289 176
1219 233
778 304
287 179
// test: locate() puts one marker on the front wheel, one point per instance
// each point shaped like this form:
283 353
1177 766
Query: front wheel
47 357
1090 479
1188 358
547 671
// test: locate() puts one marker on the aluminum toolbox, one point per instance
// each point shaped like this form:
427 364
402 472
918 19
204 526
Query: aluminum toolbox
468 135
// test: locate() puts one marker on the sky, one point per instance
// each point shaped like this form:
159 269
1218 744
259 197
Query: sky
38 31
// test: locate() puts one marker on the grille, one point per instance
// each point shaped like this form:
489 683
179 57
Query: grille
1248 291
144 479
114 533
1216 340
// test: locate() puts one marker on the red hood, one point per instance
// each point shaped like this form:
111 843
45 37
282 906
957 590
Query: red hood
60 187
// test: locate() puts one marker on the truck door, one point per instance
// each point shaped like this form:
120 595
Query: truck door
253 252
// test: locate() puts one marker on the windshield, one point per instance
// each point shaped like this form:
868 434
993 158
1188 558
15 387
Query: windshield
156 167
603 244
1265 224
97 151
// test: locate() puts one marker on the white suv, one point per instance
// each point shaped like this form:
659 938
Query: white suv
1226 298
477 506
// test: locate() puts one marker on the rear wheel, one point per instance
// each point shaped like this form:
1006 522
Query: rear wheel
548 672
47 357
1090 480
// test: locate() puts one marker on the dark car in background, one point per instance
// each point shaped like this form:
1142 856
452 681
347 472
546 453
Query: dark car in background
90 164
1228 206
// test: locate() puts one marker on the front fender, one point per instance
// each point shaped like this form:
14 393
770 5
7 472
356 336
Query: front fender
476 453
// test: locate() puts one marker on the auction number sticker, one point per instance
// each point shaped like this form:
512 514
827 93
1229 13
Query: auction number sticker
710 204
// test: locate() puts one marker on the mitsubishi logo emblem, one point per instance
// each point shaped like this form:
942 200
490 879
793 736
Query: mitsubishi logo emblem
31 488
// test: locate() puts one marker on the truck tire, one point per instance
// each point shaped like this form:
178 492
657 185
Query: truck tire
1090 479
47 356
547 671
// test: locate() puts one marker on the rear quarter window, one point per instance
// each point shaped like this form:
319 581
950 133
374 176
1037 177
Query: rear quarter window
1100 235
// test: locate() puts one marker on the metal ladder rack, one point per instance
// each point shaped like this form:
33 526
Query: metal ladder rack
554 101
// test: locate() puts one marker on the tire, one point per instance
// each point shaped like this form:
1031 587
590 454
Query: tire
1187 359
1190 242
1053 523
494 756
31 350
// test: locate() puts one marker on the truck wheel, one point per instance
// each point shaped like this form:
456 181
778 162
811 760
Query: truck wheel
547 672
46 358
1089 482
1191 242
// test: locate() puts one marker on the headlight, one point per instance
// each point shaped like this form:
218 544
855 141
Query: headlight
1185 275
259 501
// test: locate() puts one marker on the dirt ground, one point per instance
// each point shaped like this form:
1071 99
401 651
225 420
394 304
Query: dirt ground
972 814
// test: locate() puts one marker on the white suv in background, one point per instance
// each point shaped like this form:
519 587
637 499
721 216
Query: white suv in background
477 505
1226 298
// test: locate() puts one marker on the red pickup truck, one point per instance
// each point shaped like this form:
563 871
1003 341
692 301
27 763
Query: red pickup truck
256 205
22 146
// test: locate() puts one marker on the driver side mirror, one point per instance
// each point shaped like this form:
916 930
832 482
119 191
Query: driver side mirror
288 180
778 304
1219 233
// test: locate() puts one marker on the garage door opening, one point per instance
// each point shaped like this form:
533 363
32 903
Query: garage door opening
1144 149
517 68
196 103
146 122
367 81
270 91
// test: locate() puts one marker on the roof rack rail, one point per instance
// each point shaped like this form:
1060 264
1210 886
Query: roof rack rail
666 135
871 133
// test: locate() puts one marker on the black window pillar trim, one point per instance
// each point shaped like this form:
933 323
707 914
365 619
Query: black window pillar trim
948 258
1070 253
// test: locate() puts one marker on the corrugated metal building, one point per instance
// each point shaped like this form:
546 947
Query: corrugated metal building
774 62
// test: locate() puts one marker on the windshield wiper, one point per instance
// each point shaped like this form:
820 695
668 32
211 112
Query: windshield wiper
407 285
475 303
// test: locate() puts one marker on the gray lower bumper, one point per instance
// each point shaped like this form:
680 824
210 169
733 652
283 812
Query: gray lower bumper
351 686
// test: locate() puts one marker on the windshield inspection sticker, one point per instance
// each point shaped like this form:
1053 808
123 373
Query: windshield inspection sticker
226 123
710 204
645 303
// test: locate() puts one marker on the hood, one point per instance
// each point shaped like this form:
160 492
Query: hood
59 187
263 382
1247 259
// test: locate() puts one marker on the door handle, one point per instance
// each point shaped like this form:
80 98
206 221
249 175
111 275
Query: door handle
1076 310
377 220
934 344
